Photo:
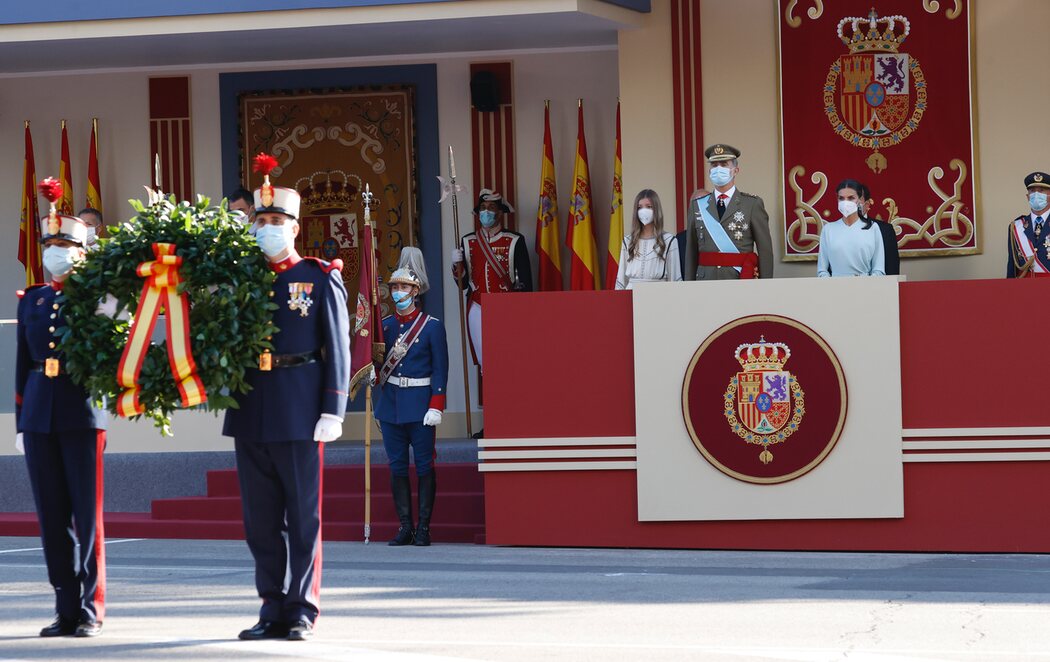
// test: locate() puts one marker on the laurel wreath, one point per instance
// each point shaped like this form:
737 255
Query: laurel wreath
228 283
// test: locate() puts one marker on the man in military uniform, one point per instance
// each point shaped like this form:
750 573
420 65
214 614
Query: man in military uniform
296 403
490 261
729 235
63 440
1029 234
413 381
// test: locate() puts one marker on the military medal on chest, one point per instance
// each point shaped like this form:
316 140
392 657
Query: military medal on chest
299 297
738 225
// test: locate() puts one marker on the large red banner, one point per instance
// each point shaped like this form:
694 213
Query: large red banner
882 94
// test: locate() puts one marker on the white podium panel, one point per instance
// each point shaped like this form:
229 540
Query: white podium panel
775 399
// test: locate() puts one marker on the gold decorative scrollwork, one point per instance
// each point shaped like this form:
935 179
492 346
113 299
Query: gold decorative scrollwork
947 224
934 6
803 234
813 12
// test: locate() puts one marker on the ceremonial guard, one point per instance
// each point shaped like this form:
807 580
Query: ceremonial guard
490 261
296 403
730 229
413 381
62 438
1029 235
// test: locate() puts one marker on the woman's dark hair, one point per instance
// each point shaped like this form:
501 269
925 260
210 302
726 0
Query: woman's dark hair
862 192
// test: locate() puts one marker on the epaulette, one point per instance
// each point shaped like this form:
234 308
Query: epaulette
746 195
327 267
388 317
22 293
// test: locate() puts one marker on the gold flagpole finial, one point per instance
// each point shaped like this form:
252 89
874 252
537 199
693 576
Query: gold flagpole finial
27 124
63 124
580 102
547 104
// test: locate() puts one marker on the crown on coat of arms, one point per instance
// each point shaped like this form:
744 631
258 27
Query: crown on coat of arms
763 355
335 193
866 34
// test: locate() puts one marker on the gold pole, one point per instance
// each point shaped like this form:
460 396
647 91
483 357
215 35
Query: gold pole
368 462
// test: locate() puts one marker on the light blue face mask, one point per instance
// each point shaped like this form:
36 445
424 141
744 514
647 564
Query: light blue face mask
273 239
1037 200
59 260
487 217
402 300
720 175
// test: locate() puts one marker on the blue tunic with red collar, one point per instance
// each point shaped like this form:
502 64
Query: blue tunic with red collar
426 357
311 317
46 404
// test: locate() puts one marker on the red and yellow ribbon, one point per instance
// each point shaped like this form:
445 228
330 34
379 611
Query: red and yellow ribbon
160 293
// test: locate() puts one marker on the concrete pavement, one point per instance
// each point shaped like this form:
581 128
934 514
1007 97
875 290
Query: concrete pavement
182 600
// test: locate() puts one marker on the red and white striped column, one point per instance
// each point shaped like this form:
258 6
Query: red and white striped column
169 130
492 137
688 104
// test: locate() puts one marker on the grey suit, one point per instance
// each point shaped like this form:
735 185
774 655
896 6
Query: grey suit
747 224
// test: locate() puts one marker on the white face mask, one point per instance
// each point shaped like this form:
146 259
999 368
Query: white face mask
92 236
59 260
721 175
645 215
274 239
848 207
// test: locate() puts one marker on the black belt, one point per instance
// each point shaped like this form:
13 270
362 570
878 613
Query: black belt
293 360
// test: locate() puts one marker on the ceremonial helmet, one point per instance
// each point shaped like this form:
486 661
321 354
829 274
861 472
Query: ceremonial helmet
270 198
406 276
412 260
60 226
488 195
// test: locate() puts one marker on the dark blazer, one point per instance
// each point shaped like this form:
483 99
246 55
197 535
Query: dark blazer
285 403
889 242
46 404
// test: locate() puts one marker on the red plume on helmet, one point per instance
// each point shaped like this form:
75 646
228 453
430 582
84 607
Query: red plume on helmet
51 189
263 163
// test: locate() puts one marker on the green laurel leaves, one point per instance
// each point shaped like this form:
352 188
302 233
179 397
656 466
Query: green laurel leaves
228 283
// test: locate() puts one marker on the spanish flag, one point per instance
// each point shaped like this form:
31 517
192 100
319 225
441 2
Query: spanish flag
547 233
612 259
65 205
29 226
579 236
368 327
94 185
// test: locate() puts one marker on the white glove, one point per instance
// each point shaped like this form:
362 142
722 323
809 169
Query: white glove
457 255
107 306
329 428
20 444
372 377
432 417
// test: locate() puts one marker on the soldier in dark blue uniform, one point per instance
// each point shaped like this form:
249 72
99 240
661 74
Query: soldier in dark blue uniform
413 381
63 440
1029 234
297 402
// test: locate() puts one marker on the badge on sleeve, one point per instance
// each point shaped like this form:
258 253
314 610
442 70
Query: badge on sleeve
299 297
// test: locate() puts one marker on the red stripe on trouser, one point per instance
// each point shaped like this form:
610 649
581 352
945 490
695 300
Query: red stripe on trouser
100 535
746 261
315 585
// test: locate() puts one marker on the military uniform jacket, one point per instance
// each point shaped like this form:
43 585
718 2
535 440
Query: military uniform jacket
512 255
1029 254
426 357
284 403
747 224
46 404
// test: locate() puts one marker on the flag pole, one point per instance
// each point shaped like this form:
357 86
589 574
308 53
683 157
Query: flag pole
366 197
453 188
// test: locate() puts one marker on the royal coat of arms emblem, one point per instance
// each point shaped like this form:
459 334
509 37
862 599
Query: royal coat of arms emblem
875 95
764 403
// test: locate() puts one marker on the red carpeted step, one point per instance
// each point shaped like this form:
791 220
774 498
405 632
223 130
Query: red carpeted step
464 477
456 507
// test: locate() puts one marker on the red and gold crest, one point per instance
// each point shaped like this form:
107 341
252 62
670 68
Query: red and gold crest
764 407
329 230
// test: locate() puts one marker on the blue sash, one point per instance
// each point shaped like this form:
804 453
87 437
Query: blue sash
715 230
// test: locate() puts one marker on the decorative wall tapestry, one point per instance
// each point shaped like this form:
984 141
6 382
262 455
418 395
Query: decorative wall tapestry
329 144
883 94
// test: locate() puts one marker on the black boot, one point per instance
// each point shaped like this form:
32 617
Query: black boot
402 490
427 490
